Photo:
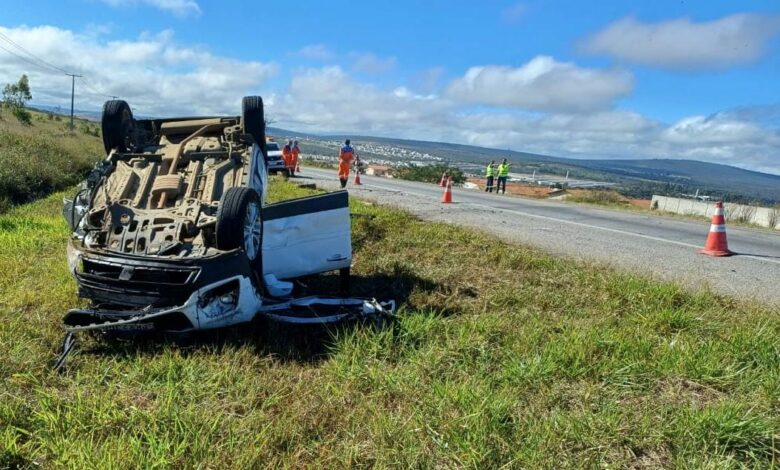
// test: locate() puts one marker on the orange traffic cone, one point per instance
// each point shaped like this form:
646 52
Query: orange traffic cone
447 197
443 181
357 178
716 244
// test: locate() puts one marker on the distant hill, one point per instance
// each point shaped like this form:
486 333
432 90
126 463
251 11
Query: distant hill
636 177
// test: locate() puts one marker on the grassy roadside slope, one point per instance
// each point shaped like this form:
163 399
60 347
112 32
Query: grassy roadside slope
44 157
502 355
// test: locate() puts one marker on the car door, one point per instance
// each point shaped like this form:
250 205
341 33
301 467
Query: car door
307 236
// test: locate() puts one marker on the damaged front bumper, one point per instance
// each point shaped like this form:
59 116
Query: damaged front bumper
229 302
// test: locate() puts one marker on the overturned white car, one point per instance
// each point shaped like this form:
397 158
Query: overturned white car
171 231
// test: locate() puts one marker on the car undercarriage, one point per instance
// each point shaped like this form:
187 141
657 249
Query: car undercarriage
171 232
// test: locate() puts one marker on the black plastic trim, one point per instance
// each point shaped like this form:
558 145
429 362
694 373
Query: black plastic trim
306 205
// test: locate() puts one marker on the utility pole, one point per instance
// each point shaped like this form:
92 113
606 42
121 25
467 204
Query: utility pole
72 93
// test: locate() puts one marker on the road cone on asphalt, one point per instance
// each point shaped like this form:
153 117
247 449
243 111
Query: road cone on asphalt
357 178
443 181
716 244
447 197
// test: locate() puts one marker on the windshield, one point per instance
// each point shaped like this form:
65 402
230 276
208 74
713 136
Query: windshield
272 146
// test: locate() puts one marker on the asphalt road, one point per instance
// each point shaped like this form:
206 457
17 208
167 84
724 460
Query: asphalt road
662 247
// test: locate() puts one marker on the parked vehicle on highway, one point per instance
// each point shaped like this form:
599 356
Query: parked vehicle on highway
274 159
171 231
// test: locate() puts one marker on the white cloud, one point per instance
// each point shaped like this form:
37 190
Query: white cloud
180 8
371 64
153 73
514 13
682 44
542 84
427 80
318 52
329 100
161 77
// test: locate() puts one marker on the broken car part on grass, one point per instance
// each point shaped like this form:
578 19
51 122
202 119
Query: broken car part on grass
171 231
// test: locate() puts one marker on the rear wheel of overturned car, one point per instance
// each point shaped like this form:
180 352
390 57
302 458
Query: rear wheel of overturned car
253 119
117 125
238 222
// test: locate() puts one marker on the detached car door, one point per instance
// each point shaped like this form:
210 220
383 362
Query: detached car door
307 236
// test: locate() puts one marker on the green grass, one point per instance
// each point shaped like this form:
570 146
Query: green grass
599 197
44 157
502 355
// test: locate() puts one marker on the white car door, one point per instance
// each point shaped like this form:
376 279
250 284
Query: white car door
307 236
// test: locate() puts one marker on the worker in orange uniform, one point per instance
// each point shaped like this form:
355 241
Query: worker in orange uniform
287 157
346 155
296 151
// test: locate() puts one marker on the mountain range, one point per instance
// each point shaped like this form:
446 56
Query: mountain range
634 177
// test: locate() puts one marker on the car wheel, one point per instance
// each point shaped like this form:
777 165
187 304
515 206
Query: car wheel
117 125
253 120
239 224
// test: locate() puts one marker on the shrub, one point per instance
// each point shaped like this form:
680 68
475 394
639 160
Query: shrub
774 217
741 213
598 197
34 166
430 173
22 115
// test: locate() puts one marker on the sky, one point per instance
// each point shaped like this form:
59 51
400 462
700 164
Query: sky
612 79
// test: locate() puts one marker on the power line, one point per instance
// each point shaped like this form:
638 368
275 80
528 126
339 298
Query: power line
35 57
94 91
29 61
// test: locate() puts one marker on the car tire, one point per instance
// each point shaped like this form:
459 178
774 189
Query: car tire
239 224
117 125
253 120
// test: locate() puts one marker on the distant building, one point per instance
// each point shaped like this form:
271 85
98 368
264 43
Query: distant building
378 170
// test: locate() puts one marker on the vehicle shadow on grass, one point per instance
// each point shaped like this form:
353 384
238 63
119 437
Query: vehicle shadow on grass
304 344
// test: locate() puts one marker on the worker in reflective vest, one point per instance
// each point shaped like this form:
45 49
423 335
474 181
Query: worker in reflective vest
503 174
287 157
294 153
489 176
346 154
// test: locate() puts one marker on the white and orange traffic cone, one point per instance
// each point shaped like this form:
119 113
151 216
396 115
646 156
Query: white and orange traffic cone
443 181
447 196
357 178
716 244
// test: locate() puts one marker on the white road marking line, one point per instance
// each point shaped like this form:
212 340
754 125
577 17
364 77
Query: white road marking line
571 222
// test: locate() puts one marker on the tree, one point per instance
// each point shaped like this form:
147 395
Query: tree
16 96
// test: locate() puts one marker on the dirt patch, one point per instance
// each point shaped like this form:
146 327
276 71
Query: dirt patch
643 203
518 189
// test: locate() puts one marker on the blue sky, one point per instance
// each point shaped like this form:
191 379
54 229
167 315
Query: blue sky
668 79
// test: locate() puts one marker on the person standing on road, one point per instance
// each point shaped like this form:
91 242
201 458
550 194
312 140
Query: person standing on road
503 175
287 157
294 153
489 175
346 155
